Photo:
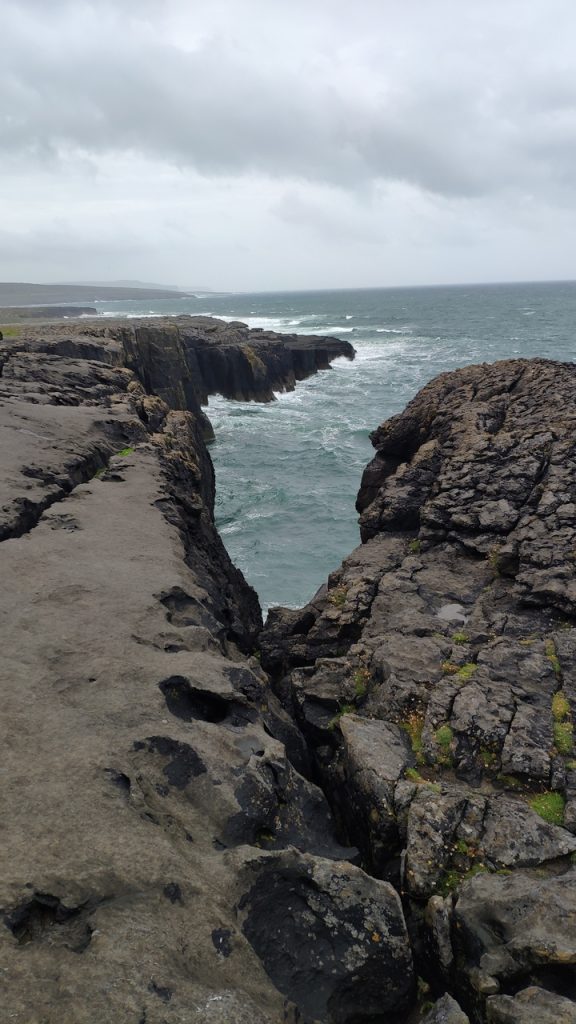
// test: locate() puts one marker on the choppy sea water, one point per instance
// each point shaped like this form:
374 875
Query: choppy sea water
288 472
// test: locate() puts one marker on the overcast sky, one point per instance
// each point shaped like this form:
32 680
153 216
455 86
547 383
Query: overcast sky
277 144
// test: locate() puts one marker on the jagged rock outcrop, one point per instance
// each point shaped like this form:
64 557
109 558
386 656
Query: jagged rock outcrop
163 859
185 359
446 1011
434 678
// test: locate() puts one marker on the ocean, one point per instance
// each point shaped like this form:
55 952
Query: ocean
287 472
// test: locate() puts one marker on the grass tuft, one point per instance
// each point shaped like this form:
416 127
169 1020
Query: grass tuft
563 728
564 737
550 807
362 678
449 668
460 638
413 725
467 671
489 758
444 736
552 656
560 706
345 709
337 597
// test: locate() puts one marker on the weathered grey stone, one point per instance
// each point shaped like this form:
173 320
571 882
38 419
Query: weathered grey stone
466 630
432 822
531 1006
332 939
446 1011
170 854
508 926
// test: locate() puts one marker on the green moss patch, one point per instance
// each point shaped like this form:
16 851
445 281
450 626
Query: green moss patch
550 807
460 638
467 671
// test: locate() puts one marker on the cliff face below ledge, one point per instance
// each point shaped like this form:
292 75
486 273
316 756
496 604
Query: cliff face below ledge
434 679
185 359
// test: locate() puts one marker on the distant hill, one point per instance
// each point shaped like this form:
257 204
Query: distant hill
123 284
143 284
24 294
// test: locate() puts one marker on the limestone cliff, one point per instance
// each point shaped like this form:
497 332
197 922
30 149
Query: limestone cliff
188 840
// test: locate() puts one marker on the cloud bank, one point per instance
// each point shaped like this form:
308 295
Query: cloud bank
265 144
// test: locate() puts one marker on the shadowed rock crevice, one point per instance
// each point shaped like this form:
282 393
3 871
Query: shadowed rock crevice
45 918
180 762
191 703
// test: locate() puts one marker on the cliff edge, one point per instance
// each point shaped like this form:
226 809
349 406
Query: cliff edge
163 859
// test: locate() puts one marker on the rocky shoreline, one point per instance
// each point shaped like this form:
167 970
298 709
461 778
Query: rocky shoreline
363 809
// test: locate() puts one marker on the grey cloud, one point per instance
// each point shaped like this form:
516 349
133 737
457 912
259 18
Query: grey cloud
266 143
333 215
451 126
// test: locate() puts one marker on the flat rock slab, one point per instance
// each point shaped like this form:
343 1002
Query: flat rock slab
140 777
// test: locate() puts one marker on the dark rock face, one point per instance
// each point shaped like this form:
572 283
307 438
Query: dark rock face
222 358
515 929
332 939
434 680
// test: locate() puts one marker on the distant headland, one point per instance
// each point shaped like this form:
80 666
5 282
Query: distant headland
25 295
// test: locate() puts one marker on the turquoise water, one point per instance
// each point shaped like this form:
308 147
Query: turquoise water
288 472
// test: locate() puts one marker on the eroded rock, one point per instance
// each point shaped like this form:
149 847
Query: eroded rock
331 938
456 617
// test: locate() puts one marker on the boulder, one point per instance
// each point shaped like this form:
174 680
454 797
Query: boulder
331 938
531 1006
446 1011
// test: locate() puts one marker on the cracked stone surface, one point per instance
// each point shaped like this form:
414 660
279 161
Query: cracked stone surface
451 630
